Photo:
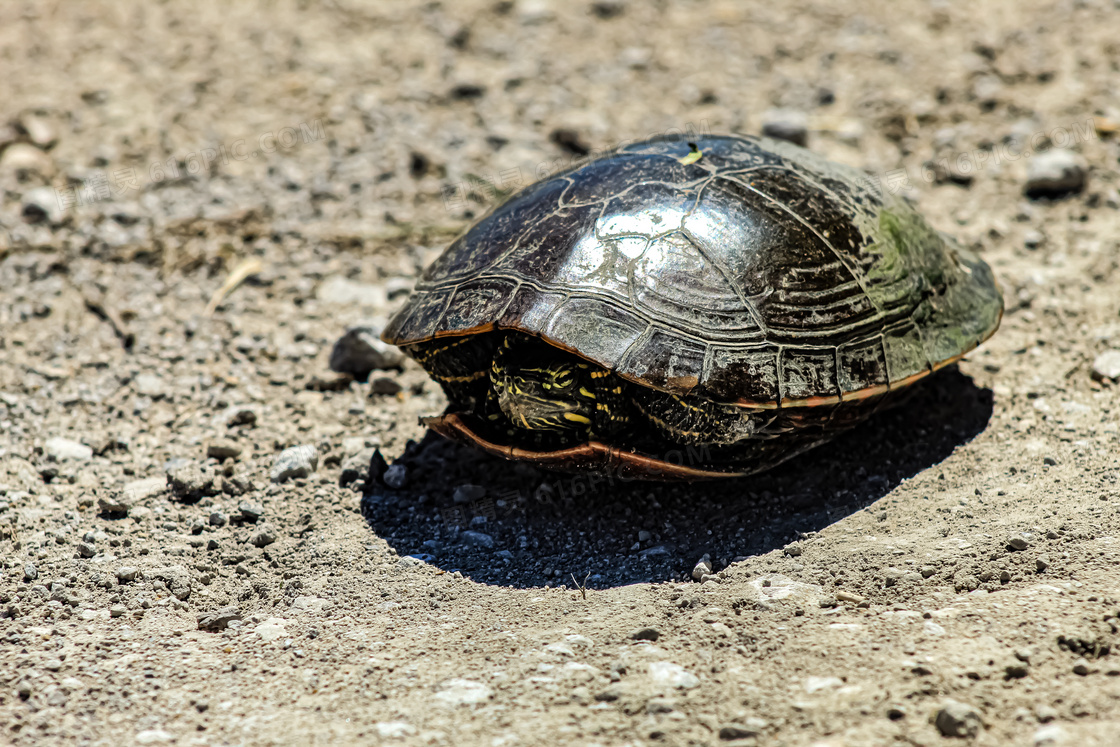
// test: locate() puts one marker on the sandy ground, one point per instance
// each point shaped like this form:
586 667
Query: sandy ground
951 567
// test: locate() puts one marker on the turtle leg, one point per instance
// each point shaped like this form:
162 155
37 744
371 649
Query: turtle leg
693 420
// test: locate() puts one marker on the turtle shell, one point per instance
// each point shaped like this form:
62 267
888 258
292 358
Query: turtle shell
758 274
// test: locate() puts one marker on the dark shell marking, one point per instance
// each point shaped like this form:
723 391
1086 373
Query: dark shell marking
761 274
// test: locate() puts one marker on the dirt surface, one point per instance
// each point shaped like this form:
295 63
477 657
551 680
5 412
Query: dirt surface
171 575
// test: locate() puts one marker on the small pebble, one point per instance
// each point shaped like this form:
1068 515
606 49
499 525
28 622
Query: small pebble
126 574
250 511
264 536
239 415
223 448
645 634
1018 542
40 204
294 462
1041 563
386 386
956 719
786 124
1081 667
669 675
218 619
149 385
1045 714
360 351
218 519
355 467
396 476
86 550
63 449
468 493
191 482
1055 173
731 732
1106 366
477 539
30 572
114 503
118 610
702 568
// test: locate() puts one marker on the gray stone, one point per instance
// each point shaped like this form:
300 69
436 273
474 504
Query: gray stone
396 476
40 131
218 619
139 513
26 157
702 568
149 385
218 519
114 503
1081 667
468 493
1019 542
237 485
666 674
1106 366
361 350
190 482
645 634
477 539
1055 173
239 415
1041 563
294 462
355 467
30 572
385 385
786 124
1033 239
1050 736
223 448
86 549
1045 714
63 449
126 574
956 719
39 204
264 536
250 511
730 732
118 610
176 577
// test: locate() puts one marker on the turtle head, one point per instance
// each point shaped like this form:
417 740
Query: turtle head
541 388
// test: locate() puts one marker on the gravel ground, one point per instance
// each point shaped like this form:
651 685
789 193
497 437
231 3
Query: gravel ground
200 544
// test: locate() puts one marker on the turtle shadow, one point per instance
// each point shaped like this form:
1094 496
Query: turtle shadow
511 524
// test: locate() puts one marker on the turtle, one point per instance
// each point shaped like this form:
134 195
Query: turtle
686 310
